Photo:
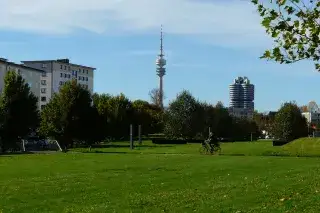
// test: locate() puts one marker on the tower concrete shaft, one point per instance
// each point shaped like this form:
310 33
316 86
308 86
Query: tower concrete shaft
161 70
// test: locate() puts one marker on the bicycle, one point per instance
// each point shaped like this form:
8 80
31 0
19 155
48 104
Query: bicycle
209 146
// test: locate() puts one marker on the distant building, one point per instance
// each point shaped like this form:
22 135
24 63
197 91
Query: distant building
240 112
57 72
32 76
312 117
241 94
311 112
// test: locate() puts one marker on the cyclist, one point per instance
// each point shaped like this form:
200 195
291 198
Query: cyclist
213 143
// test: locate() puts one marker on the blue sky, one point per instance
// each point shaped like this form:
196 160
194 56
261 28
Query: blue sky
207 44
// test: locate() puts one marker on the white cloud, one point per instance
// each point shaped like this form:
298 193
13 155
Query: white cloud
223 22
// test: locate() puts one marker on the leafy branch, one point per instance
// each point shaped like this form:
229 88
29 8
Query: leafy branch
295 27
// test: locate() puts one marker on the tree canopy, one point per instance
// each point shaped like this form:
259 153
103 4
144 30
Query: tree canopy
181 115
295 27
19 115
69 115
289 124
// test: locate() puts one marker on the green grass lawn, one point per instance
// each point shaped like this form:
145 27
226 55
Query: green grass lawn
164 179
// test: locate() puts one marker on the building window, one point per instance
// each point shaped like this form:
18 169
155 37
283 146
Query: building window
79 78
79 70
43 90
86 78
69 76
43 82
69 68
44 66
44 74
65 75
61 66
43 106
87 72
43 98
65 67
61 74
60 83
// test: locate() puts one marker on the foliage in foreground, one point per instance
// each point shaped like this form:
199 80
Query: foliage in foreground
294 26
19 114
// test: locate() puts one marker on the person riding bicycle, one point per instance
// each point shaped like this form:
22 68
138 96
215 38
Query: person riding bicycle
212 143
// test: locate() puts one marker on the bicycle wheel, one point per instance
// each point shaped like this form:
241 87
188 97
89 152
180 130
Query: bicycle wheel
202 150
217 150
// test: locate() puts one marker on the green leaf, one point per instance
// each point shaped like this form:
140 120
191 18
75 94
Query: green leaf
266 22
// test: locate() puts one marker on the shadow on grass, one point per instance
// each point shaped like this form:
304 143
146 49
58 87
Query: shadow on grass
123 146
8 154
274 154
131 152
232 154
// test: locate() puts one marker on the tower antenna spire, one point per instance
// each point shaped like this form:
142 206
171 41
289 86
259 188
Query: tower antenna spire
161 69
161 41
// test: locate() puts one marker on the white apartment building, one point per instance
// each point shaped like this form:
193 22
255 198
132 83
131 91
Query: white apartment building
32 76
57 72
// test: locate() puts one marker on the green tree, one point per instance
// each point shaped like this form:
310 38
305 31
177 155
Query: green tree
294 25
206 118
289 124
244 129
19 114
222 125
94 128
148 115
120 115
181 119
100 103
69 116
261 120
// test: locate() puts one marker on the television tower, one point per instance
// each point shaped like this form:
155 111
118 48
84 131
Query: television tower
161 70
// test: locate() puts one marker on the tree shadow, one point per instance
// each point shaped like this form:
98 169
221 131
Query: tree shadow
125 146
130 152
9 154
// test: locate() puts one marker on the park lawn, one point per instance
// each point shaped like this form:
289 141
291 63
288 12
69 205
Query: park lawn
108 182
164 178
